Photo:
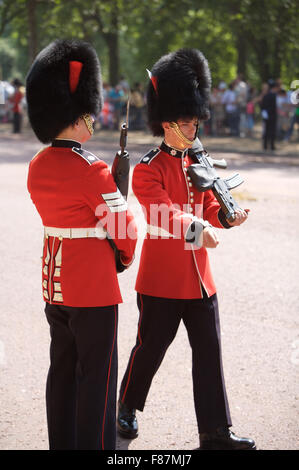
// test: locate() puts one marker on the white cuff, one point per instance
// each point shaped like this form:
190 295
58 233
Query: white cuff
194 233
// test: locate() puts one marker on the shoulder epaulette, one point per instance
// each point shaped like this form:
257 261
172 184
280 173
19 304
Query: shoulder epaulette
148 157
39 151
89 157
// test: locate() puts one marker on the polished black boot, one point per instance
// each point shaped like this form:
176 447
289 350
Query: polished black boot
224 439
127 424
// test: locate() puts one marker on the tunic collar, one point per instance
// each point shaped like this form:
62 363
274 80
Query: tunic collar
66 143
172 151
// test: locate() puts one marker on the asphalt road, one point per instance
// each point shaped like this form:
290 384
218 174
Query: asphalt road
256 270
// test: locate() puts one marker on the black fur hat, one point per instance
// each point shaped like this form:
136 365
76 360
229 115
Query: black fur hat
179 87
63 83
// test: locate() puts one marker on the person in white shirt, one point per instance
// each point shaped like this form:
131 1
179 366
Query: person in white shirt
229 99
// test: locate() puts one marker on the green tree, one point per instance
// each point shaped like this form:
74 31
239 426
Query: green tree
256 37
157 27
265 34
7 60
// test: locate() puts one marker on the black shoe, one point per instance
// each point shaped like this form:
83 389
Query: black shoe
224 439
127 424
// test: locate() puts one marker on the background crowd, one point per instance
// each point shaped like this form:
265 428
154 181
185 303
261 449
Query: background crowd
236 108
116 103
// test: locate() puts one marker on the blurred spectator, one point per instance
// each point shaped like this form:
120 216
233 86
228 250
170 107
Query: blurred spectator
294 117
125 87
283 107
217 110
116 97
7 90
2 93
123 83
264 90
250 112
137 105
241 91
106 117
229 100
269 115
106 89
16 102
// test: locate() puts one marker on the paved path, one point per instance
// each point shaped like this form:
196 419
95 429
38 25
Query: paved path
256 270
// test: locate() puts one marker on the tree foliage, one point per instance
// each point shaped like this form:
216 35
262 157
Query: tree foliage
256 37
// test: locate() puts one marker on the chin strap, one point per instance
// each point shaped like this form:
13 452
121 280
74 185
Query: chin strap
179 133
89 122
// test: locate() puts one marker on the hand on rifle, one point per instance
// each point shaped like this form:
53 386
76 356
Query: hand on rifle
210 239
241 216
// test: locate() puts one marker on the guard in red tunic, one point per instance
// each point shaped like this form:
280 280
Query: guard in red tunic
174 281
81 209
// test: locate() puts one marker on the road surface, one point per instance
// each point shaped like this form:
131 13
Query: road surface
256 270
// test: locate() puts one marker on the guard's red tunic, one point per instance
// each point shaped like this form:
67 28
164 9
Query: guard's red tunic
169 266
72 188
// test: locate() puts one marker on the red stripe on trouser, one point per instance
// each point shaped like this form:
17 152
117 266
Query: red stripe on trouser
108 378
139 345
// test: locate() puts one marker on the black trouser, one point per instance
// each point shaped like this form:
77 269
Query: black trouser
17 120
158 324
269 133
82 379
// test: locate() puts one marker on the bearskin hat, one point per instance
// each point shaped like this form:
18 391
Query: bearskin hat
179 87
63 83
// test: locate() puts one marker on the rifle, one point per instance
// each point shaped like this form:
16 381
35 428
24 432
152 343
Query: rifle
121 163
204 177
120 172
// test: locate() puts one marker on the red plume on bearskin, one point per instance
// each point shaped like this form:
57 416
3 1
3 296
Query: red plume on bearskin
181 88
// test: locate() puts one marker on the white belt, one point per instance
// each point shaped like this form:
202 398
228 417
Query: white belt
93 232
158 231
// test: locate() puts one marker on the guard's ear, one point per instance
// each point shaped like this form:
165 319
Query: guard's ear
165 125
77 122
